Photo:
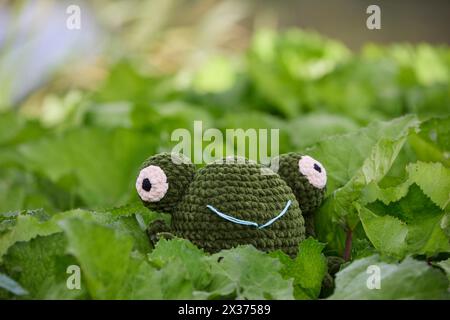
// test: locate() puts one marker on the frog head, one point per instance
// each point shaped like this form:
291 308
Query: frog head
163 180
307 178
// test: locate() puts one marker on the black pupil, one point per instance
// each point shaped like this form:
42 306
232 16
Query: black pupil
317 168
146 185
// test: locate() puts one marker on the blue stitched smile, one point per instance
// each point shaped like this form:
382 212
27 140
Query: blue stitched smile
250 223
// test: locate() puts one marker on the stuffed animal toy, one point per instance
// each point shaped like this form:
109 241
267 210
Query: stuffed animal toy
233 201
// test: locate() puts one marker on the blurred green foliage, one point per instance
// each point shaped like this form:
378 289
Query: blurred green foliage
87 145
378 120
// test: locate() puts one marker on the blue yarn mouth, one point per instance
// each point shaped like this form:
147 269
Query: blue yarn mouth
250 223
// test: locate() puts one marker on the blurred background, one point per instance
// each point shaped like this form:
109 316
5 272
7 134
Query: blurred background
179 36
81 108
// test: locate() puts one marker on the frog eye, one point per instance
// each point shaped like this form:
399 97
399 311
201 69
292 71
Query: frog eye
313 170
151 184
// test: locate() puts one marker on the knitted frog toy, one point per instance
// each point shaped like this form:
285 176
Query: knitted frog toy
234 201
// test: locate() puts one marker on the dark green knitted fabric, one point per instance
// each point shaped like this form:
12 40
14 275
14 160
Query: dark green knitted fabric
310 229
179 176
239 190
308 196
156 228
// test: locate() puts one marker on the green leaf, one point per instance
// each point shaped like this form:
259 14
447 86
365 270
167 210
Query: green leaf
112 272
126 82
432 143
413 225
105 270
313 127
433 179
387 234
307 269
362 248
21 190
256 120
173 256
40 266
15 129
246 273
10 126
218 74
410 279
280 65
445 264
26 227
102 163
142 282
353 162
353 158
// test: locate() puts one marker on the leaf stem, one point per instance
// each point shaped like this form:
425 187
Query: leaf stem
348 244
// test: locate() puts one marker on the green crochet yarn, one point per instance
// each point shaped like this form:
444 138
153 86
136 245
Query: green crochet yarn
241 189
179 177
308 196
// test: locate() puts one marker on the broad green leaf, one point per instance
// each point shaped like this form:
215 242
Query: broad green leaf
353 161
372 192
105 270
362 248
387 234
410 279
432 143
307 269
16 129
141 282
179 254
279 66
246 273
25 226
311 128
21 190
126 82
40 266
412 225
445 264
259 121
433 179
218 74
10 125
112 272
103 163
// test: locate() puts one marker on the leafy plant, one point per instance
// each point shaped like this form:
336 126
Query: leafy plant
377 120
